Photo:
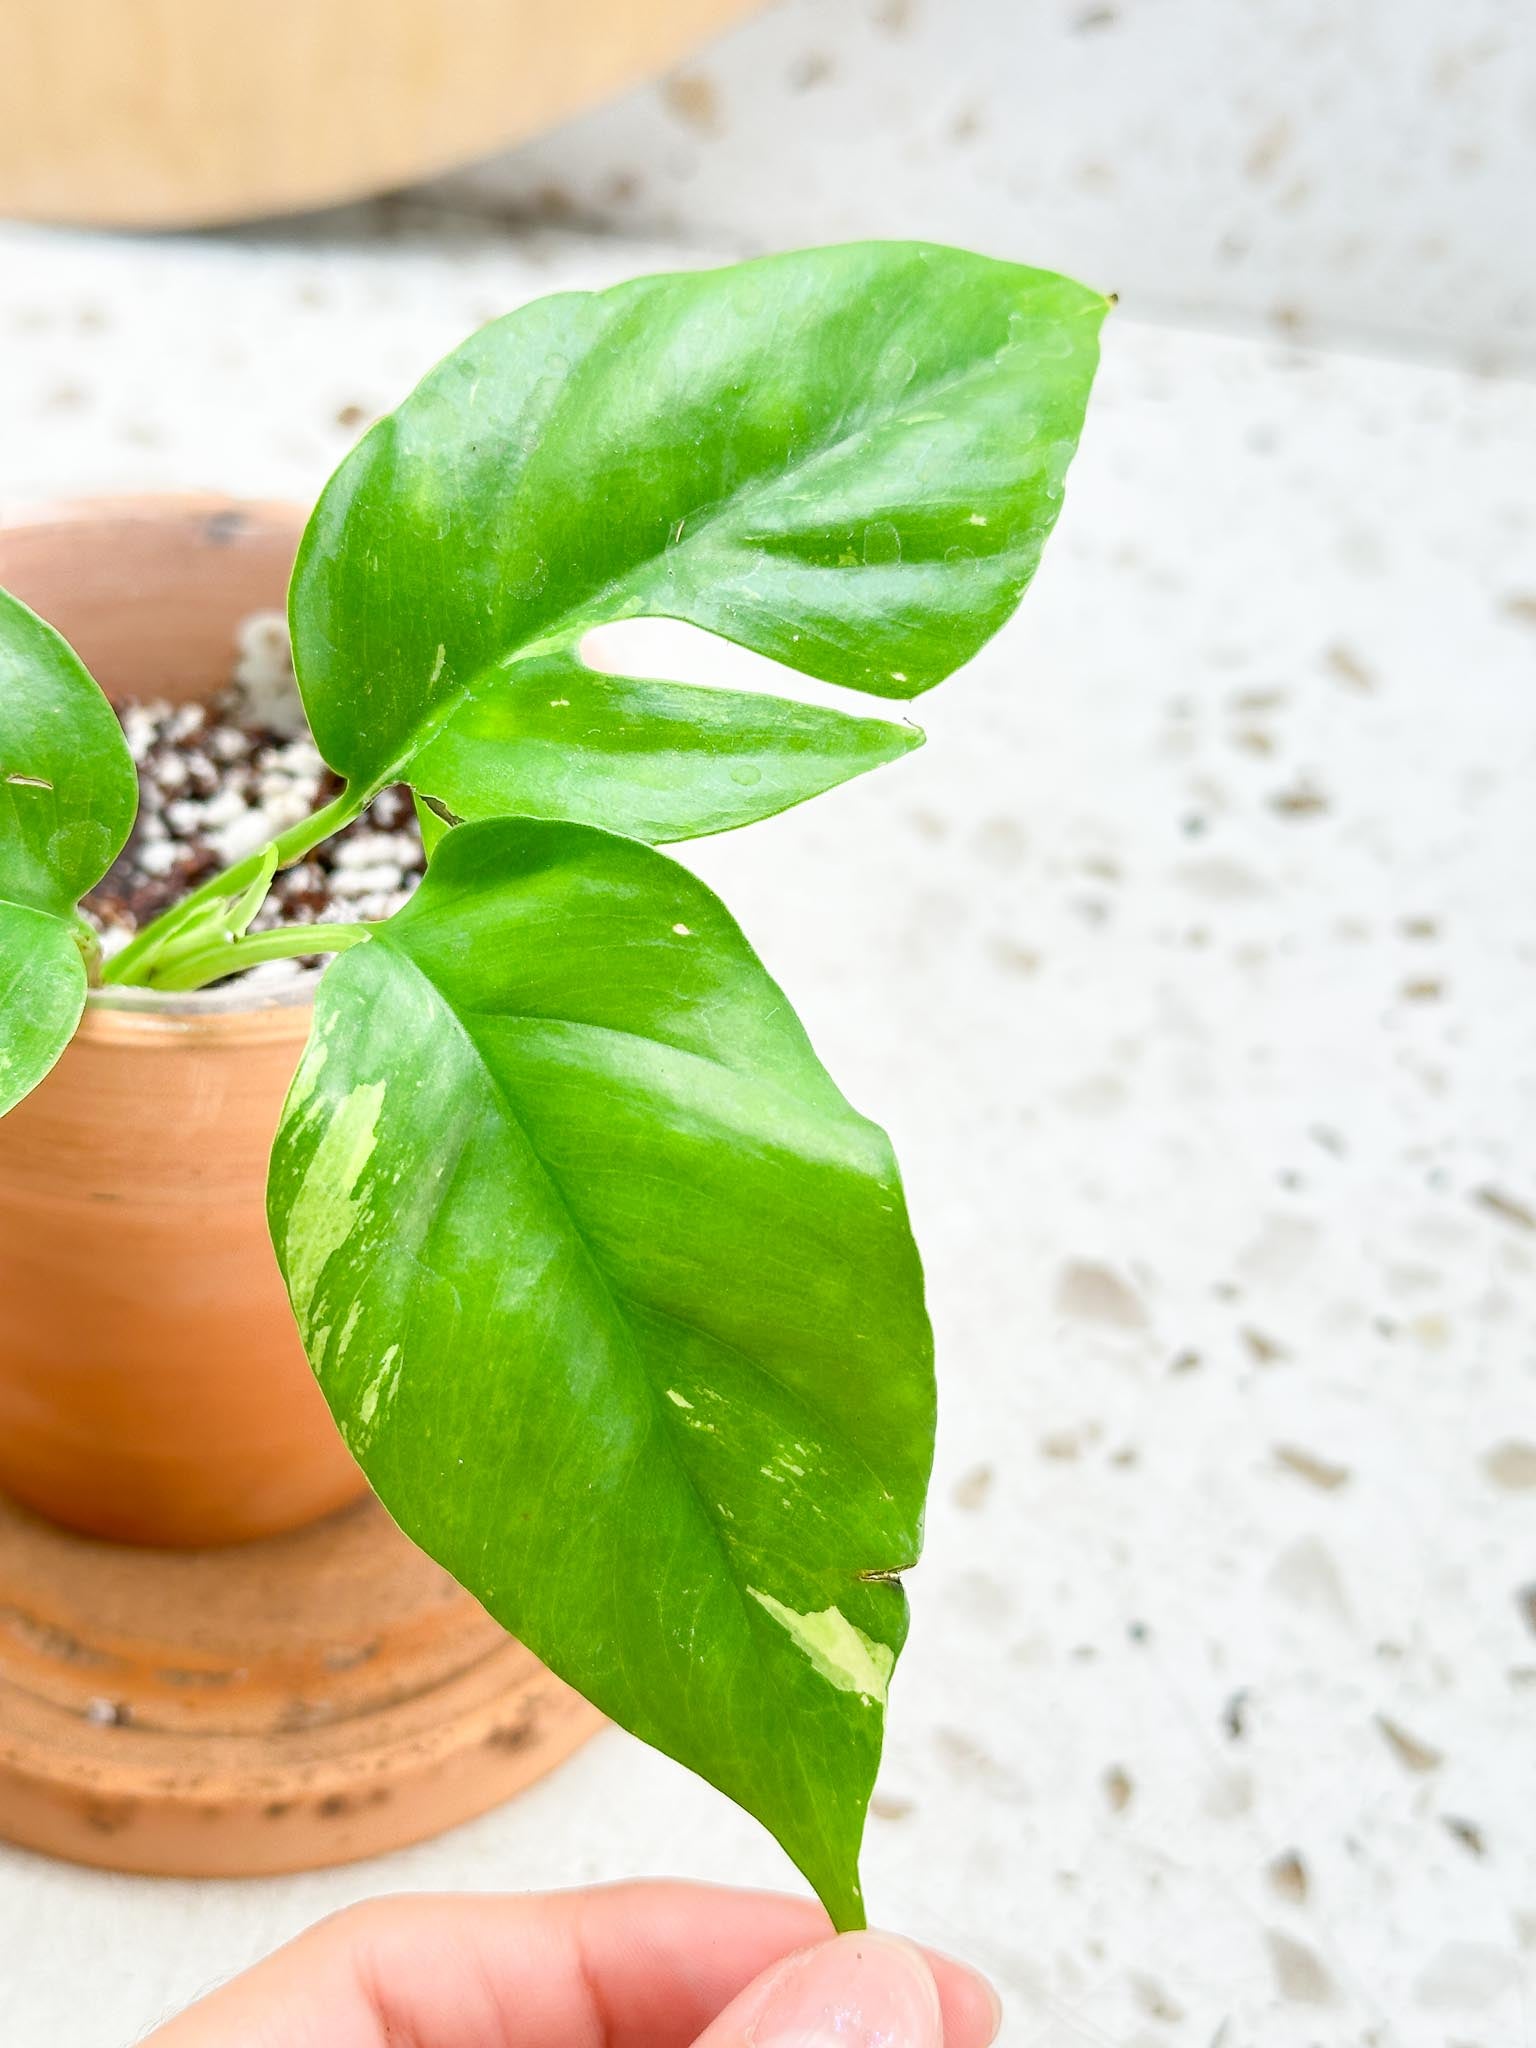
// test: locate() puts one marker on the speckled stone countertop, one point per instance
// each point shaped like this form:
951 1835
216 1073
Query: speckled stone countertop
1193 967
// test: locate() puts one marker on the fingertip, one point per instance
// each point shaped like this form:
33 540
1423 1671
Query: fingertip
864 1990
973 2011
857 1988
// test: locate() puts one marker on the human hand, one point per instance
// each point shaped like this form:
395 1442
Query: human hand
631 1966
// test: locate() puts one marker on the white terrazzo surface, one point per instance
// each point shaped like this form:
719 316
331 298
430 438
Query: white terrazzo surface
1359 167
1193 967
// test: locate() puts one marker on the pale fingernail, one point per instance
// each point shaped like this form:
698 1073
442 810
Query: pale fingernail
859 1991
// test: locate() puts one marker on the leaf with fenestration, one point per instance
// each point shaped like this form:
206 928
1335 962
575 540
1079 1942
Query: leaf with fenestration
654 760
846 459
615 1299
67 798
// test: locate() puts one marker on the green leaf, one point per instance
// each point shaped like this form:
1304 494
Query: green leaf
656 761
68 793
430 823
42 992
847 459
615 1299
245 904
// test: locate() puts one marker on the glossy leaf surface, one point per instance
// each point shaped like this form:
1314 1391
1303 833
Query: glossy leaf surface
846 459
615 1299
656 761
67 798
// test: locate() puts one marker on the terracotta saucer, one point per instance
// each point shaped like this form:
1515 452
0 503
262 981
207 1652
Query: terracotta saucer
273 1706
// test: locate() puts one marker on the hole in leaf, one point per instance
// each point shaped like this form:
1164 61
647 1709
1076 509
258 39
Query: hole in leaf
668 650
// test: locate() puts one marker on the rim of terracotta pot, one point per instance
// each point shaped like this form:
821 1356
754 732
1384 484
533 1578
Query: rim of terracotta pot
164 1019
149 508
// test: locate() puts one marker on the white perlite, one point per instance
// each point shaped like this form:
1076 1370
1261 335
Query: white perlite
263 679
218 782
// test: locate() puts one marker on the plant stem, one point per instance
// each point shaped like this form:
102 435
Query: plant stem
221 958
88 939
135 963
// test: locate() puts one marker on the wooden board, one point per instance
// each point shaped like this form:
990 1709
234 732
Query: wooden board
177 112
274 1706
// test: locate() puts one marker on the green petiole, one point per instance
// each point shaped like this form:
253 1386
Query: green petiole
199 965
135 965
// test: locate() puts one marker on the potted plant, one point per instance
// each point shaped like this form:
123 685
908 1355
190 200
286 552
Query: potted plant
610 1291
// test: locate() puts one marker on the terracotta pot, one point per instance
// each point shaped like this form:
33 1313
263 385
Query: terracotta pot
152 1384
